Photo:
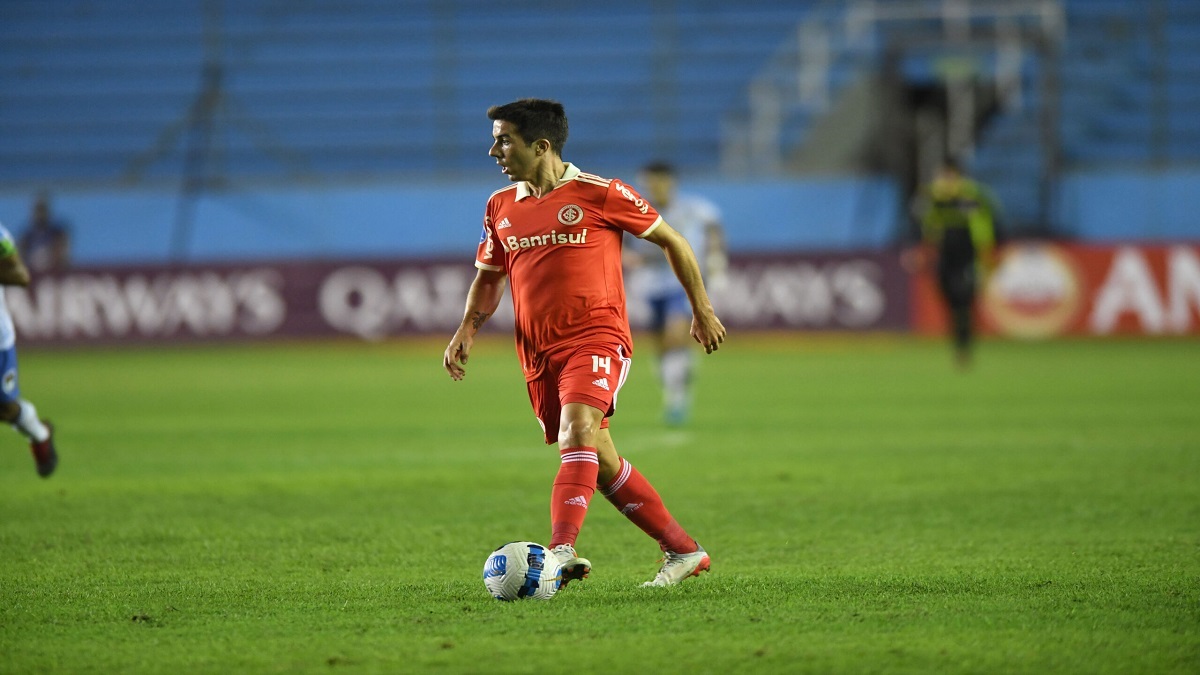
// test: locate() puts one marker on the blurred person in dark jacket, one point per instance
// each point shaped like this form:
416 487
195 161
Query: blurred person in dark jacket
45 244
958 218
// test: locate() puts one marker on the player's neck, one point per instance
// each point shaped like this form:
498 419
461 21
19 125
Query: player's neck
547 176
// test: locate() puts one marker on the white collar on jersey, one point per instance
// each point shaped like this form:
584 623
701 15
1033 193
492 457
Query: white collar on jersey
569 175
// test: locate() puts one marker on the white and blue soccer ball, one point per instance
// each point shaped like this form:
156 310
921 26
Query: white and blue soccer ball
520 570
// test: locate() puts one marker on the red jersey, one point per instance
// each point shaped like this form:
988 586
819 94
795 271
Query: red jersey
562 255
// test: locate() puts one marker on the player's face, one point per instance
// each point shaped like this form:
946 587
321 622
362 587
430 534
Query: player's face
947 180
517 159
658 187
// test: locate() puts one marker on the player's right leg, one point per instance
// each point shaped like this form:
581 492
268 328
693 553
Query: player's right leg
571 400
565 516
573 566
587 383
574 485
23 416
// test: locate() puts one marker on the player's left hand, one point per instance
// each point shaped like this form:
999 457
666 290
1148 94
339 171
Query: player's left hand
708 331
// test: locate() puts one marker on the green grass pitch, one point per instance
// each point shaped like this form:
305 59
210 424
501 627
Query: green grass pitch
327 508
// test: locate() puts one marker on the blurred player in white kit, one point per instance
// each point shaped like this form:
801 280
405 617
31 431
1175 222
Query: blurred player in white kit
655 284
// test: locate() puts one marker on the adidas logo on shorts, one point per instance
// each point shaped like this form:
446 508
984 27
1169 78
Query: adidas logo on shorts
577 501
602 383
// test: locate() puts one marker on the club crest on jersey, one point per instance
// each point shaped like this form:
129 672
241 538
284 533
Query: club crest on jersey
570 215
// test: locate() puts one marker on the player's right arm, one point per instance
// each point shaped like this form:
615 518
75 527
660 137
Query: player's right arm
482 300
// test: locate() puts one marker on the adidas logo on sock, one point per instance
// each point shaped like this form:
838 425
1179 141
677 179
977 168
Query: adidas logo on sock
630 508
577 501
602 383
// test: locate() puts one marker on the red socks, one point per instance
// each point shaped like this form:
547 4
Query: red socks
629 491
573 489
637 499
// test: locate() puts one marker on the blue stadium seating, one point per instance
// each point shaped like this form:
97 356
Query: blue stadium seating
1130 75
96 92
100 92
1122 90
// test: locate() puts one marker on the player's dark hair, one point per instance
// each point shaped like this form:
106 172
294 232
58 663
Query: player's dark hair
659 166
535 118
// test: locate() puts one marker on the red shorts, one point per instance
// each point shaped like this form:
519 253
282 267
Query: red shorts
590 374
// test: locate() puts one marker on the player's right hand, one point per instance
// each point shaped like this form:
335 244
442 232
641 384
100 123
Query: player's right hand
456 355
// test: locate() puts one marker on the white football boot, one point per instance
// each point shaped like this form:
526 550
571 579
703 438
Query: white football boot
573 567
679 566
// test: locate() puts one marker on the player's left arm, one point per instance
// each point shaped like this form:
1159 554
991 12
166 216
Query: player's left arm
706 327
12 269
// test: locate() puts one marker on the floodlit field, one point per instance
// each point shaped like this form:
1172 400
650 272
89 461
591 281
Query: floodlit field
328 508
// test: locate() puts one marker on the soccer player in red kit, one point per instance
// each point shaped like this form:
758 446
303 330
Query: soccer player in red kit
555 236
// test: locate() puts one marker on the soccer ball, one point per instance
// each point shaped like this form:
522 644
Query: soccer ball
520 570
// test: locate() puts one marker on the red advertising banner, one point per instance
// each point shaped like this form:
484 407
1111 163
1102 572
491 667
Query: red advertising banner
378 299
1040 289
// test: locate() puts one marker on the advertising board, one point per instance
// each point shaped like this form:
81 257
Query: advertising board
1043 289
379 299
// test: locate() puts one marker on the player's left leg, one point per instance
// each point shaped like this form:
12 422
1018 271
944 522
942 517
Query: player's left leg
635 497
963 333
957 287
629 491
23 416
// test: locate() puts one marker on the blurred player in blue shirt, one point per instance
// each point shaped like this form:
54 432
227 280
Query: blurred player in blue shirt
13 409
654 283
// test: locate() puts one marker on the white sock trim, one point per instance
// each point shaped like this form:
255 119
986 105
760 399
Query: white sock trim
622 476
28 423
